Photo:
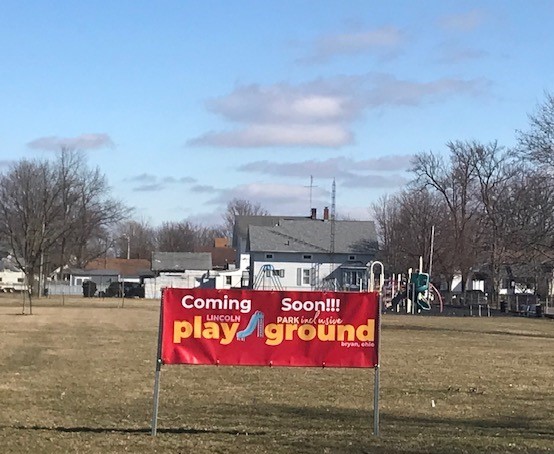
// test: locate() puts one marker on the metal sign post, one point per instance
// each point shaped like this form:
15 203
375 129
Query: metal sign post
377 371
158 372
377 368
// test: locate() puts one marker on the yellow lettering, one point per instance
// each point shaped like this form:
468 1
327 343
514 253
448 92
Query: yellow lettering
306 332
274 334
366 332
347 330
229 331
181 330
211 330
197 327
289 331
326 336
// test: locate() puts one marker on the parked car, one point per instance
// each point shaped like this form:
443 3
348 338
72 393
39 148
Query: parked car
130 290
89 289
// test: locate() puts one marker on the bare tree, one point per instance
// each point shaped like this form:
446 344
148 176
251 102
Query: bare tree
176 237
404 223
240 207
46 205
87 207
537 144
455 182
30 215
135 240
495 169
205 235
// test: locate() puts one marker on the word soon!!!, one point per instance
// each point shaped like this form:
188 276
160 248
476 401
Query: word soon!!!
327 305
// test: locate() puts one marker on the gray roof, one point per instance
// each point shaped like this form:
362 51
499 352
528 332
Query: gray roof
9 264
242 223
314 236
181 261
82 272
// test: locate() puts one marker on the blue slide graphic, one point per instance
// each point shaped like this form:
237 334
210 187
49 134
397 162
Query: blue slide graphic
257 320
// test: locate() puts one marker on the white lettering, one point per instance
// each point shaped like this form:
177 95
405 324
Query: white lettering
225 303
329 305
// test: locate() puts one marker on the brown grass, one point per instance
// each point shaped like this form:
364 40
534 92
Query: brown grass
79 378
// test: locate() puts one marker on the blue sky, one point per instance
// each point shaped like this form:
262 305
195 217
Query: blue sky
185 105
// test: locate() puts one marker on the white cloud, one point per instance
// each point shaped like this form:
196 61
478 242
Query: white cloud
328 168
278 199
376 181
320 113
382 172
143 177
463 22
282 102
331 167
278 135
82 142
153 183
204 189
382 42
451 53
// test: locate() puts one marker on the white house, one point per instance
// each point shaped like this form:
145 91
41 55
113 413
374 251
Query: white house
309 254
12 279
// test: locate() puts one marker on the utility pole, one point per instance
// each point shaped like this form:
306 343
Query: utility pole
333 227
125 235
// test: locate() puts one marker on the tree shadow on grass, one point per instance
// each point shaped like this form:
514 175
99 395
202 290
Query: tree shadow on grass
140 430
314 416
463 330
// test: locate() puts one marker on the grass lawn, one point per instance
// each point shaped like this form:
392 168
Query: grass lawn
79 378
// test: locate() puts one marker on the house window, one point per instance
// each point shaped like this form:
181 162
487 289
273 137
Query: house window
306 277
351 257
78 281
20 279
307 257
228 280
279 273
269 256
0 279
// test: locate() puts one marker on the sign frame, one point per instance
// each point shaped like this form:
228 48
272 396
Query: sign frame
376 367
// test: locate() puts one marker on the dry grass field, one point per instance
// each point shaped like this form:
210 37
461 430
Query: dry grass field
79 378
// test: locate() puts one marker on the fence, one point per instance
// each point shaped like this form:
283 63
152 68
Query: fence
62 288
520 302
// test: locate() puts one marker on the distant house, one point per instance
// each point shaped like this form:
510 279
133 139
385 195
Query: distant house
12 279
101 271
242 223
179 262
223 256
178 269
308 254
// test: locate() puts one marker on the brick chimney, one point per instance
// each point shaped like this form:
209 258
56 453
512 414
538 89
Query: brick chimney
314 213
326 213
221 242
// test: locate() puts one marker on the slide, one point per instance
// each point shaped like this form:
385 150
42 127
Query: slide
256 321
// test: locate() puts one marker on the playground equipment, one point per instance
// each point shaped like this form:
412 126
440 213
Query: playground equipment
268 278
412 293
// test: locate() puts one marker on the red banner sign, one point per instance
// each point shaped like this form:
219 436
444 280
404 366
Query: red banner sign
274 328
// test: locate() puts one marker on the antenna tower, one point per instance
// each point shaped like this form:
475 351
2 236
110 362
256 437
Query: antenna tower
312 186
333 214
